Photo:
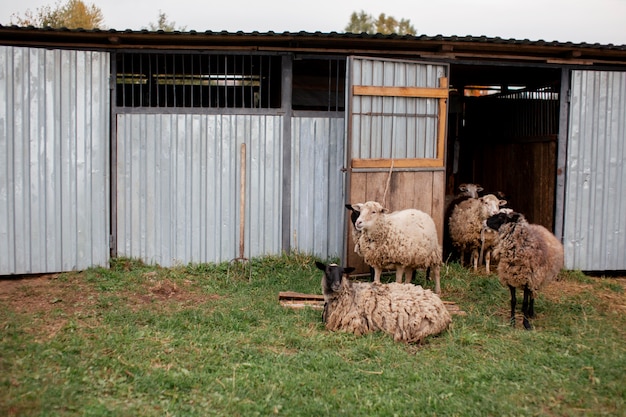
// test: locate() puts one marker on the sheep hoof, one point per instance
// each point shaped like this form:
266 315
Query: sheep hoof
527 325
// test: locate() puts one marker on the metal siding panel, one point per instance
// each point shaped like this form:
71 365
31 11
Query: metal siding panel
54 201
7 231
317 212
178 186
380 125
264 185
595 190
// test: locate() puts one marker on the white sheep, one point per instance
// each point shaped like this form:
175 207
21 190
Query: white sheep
529 258
354 215
407 312
466 223
403 240
466 191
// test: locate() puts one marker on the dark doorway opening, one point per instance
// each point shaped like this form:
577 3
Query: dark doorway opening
503 134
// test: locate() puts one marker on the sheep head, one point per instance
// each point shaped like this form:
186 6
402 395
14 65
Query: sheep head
491 204
470 190
370 212
333 276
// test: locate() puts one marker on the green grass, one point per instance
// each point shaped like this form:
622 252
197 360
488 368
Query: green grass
202 340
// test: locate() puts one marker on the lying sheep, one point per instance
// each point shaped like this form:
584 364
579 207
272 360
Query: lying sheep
407 312
466 223
530 257
403 240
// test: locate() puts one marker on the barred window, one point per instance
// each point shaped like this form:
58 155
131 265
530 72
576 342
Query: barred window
198 80
319 84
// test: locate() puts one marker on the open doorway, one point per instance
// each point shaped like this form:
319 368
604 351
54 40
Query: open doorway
503 134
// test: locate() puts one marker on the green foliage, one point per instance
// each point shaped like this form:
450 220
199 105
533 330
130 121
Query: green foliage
164 24
74 14
201 340
362 22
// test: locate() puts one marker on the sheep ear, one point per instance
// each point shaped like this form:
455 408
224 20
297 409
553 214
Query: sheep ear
385 210
320 265
502 202
349 207
463 187
348 269
479 188
357 207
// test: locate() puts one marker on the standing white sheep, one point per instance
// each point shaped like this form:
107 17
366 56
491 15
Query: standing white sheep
407 312
466 191
466 223
403 240
530 257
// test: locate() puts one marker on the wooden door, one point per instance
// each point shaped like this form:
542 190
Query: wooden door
396 138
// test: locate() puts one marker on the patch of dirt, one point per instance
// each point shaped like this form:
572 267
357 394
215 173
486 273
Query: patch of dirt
53 300
615 301
44 293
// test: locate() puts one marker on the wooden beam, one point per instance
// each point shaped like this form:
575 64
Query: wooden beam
421 92
398 163
442 121
290 295
297 300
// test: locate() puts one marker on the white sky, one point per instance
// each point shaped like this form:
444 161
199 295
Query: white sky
591 21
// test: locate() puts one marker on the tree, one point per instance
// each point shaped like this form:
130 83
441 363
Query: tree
362 22
74 14
164 25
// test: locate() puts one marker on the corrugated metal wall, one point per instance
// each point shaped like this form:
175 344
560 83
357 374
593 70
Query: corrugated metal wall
595 189
54 160
178 186
317 192
387 127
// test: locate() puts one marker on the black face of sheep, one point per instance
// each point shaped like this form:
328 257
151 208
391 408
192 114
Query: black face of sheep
354 214
497 220
331 282
333 274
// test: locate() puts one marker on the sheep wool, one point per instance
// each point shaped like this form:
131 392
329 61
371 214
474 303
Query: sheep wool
407 312
530 256
466 223
403 240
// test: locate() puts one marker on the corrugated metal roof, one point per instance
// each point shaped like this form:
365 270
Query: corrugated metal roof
438 46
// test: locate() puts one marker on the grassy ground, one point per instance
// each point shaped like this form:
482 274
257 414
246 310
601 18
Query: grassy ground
209 340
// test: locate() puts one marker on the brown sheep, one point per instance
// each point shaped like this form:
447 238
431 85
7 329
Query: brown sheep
530 257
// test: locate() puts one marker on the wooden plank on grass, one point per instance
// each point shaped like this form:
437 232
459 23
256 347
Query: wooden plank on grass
299 300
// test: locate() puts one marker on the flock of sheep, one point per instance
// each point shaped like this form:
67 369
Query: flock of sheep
528 258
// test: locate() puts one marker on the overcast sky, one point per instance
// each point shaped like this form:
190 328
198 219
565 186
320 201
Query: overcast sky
591 21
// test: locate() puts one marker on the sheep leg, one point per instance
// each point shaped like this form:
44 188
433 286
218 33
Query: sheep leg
513 302
487 260
409 274
399 274
527 309
436 272
475 259
377 273
427 275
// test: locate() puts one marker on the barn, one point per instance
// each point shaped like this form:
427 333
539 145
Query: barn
193 147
